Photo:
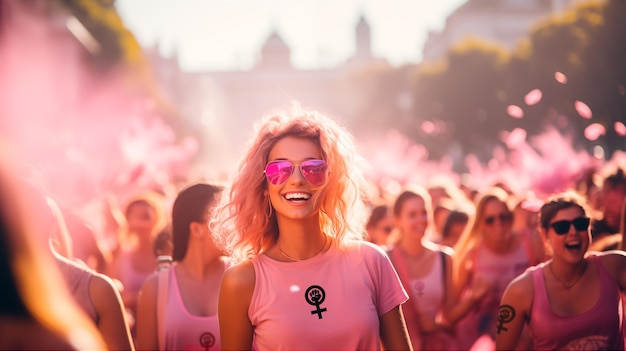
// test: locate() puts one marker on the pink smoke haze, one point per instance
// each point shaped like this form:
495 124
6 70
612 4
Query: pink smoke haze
560 77
86 133
94 135
394 161
583 110
541 164
544 165
533 97
515 111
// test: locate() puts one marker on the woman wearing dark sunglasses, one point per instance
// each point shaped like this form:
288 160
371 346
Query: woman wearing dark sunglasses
571 302
294 219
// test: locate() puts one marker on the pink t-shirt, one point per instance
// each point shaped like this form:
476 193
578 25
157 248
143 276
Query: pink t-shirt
184 331
332 301
600 328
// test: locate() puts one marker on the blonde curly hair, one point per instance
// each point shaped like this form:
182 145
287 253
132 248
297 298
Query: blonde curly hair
244 223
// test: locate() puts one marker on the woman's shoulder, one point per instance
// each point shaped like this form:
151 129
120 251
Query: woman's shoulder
522 286
239 275
363 245
365 251
613 260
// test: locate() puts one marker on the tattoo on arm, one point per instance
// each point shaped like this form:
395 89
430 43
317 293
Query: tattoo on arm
506 313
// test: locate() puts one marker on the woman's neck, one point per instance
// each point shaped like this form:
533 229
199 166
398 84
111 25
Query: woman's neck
412 247
200 268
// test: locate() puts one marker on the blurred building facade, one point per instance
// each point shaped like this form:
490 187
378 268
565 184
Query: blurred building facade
503 22
230 101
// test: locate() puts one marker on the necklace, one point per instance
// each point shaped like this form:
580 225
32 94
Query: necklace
571 285
297 260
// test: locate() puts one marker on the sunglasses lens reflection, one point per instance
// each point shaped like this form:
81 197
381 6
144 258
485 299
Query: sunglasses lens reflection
278 172
314 171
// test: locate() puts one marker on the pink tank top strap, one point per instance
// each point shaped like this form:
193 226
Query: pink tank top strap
163 282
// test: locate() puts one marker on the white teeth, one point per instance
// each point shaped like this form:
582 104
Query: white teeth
303 196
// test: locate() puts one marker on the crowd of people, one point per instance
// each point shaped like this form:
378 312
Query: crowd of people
293 253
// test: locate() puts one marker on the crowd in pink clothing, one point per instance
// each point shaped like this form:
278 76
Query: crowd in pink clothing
455 249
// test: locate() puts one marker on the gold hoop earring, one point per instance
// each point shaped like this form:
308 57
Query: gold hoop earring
268 212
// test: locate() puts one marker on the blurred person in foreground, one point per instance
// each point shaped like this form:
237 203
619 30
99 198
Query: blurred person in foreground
94 293
294 217
36 310
571 302
177 308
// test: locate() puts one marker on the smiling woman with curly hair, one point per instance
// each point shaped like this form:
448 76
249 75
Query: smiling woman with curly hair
294 219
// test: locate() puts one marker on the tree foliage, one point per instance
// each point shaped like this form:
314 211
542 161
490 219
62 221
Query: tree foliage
462 100
100 18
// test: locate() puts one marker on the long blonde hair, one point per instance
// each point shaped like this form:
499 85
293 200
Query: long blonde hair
244 223
473 234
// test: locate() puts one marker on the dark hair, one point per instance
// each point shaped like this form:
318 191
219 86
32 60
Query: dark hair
559 202
616 179
190 206
161 240
456 216
414 192
377 214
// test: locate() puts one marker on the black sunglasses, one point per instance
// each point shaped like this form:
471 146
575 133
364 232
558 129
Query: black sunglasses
503 217
562 227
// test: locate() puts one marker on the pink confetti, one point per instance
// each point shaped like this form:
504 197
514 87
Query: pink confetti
620 128
583 110
533 97
515 111
560 77
428 127
594 131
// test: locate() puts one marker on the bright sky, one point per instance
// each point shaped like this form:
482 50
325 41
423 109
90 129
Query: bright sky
228 34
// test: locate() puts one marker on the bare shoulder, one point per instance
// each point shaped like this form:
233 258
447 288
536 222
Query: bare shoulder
239 277
102 284
151 282
520 289
610 256
104 293
614 261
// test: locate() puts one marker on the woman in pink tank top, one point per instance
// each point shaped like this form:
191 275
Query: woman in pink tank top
294 220
177 308
571 302
426 273
488 252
